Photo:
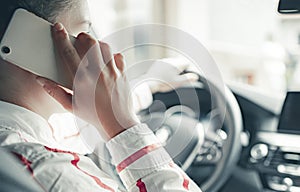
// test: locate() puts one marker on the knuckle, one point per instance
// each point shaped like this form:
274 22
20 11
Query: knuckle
91 41
102 76
87 39
69 52
82 36
51 93
105 46
119 56
62 35
113 74
53 90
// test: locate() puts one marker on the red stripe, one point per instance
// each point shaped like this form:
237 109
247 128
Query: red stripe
28 166
25 162
137 155
75 161
186 180
22 137
141 185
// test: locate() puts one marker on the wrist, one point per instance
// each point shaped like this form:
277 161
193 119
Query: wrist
115 127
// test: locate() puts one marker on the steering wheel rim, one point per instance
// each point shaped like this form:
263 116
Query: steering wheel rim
232 146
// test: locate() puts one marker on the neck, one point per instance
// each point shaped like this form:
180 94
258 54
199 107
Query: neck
19 87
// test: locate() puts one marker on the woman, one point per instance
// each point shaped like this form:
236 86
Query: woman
140 160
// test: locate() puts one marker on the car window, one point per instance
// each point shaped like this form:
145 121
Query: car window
251 43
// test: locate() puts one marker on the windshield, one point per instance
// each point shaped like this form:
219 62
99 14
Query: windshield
251 43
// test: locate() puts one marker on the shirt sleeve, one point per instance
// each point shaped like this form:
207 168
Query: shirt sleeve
144 165
54 169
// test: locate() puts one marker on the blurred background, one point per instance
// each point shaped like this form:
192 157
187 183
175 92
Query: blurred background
251 43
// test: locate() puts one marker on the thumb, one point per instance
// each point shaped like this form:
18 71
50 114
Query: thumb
57 92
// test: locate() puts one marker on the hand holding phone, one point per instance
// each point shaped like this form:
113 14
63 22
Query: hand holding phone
101 95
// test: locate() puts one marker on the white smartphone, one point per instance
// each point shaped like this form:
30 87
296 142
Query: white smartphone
28 44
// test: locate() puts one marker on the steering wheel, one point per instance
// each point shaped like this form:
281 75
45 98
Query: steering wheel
191 141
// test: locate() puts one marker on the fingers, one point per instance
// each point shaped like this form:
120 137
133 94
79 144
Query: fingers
84 42
187 78
57 92
85 47
109 59
64 47
97 53
89 51
120 62
177 82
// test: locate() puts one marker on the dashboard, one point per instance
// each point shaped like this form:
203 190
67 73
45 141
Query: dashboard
290 115
274 149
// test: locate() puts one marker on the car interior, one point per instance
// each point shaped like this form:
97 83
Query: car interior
245 135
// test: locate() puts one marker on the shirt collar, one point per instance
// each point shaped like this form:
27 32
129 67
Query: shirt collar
16 117
25 121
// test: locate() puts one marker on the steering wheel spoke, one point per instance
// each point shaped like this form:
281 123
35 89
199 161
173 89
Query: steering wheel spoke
209 154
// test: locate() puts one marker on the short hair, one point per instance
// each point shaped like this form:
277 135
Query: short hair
47 9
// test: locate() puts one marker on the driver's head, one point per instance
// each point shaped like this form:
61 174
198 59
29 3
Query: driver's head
19 86
72 13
